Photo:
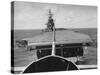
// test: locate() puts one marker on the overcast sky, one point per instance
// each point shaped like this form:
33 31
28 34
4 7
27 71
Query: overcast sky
30 15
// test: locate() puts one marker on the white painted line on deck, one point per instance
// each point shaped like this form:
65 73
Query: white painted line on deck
87 66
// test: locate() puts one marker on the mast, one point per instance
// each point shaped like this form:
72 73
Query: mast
53 42
53 35
51 27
